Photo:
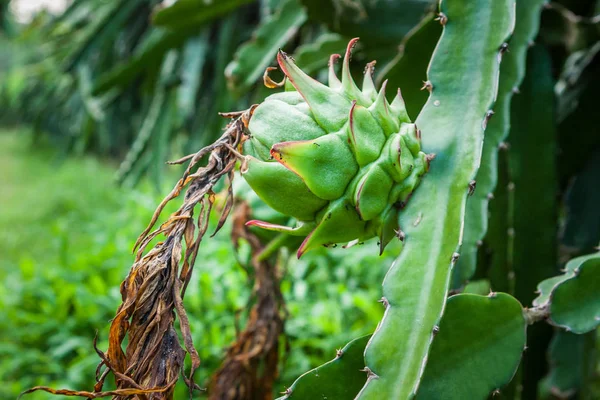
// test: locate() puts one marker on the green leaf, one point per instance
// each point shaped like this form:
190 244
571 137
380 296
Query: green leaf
408 70
105 28
571 359
464 77
582 226
512 72
150 52
564 29
194 57
578 86
312 57
184 14
575 301
373 21
154 118
272 34
340 378
477 350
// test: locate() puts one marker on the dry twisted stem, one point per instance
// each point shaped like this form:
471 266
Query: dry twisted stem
152 293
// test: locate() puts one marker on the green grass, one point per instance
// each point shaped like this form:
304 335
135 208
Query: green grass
66 233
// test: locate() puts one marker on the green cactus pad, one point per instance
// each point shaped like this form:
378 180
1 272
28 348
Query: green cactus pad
574 298
339 379
477 348
342 160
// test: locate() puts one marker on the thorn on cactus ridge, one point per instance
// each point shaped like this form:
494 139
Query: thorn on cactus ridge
490 196
455 257
516 90
429 158
495 392
479 243
436 330
488 116
384 301
427 85
287 391
504 146
504 48
492 294
472 186
339 353
400 235
443 18
370 374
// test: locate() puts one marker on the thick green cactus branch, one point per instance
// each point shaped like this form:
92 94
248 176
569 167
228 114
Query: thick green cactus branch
463 78
512 72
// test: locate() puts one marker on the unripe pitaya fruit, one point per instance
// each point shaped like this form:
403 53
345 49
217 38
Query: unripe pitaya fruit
341 160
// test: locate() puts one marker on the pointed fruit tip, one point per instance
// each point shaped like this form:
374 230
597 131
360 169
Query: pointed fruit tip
351 45
333 59
370 67
399 95
302 249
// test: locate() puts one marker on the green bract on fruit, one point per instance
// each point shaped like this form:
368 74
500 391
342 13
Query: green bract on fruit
341 160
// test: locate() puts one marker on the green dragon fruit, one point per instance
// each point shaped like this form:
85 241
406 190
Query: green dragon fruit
341 160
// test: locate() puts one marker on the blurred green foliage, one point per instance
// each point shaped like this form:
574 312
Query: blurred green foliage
66 233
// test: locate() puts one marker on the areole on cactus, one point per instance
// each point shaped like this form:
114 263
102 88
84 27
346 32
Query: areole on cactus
341 160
